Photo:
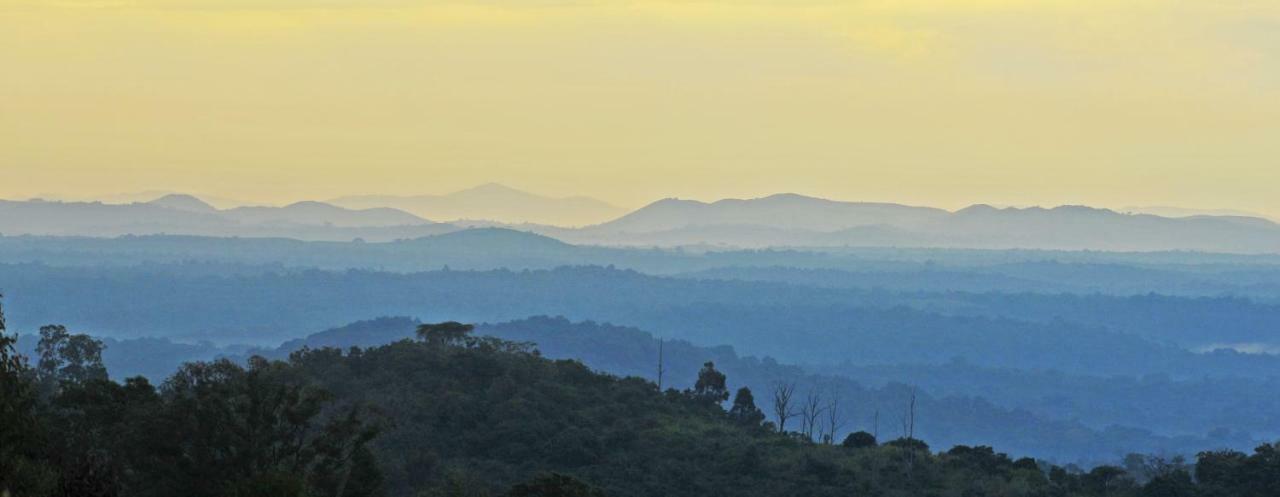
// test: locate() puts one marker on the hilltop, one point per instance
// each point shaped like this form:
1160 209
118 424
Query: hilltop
458 415
777 221
494 202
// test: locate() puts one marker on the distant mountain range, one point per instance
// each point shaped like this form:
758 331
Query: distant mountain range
790 220
784 220
1166 211
142 197
188 215
783 211
493 202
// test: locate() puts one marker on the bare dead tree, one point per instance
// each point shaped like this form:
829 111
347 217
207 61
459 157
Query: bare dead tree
908 418
782 411
661 369
810 412
911 416
909 429
876 463
834 421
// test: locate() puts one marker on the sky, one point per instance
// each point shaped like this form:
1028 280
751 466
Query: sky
943 103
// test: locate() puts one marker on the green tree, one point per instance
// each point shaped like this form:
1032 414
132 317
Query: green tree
859 440
459 483
1220 469
449 333
67 359
1176 483
744 409
95 436
554 485
1106 480
711 384
22 472
229 430
1260 474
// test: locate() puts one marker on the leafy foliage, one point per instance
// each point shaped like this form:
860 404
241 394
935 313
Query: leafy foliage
480 417
67 359
859 440
710 386
744 410
21 469
212 429
445 334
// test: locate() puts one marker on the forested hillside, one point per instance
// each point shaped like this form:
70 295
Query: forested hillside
1139 334
903 269
452 414
751 248
1003 411
1051 359
873 399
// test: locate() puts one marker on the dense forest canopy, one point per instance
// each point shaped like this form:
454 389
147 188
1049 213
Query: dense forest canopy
456 414
905 269
1083 422
1068 357
170 303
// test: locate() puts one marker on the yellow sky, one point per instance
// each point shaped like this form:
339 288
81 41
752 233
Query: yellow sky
945 103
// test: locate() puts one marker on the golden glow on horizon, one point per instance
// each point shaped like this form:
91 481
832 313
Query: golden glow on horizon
945 103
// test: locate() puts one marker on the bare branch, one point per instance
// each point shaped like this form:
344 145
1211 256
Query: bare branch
661 369
782 392
810 412
834 421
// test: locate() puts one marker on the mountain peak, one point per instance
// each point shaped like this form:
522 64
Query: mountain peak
312 204
777 199
475 239
978 209
673 201
1082 209
493 202
183 202
310 212
784 211
492 189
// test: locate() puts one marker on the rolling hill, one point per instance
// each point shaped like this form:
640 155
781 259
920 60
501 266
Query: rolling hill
188 215
493 202
798 221
777 221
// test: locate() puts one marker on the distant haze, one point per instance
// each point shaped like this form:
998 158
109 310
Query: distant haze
493 202
1168 211
781 220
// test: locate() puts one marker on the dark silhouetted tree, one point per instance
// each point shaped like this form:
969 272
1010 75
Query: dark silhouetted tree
270 433
859 440
1220 469
449 333
1106 480
1176 483
744 408
834 421
554 485
21 471
711 384
67 359
782 411
662 370
810 412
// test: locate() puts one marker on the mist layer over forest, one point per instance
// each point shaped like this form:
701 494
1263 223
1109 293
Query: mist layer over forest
1070 356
